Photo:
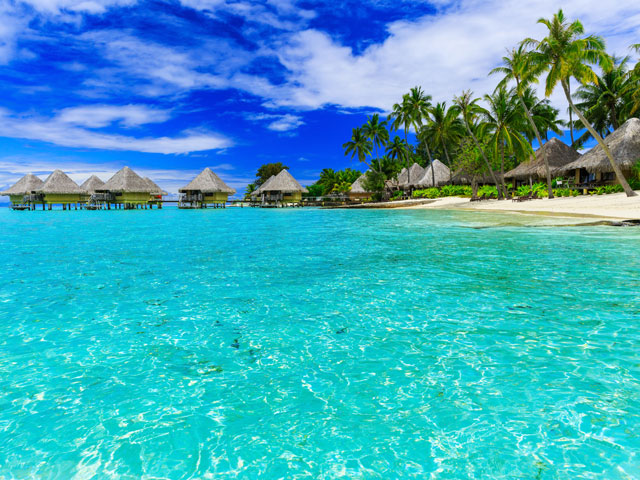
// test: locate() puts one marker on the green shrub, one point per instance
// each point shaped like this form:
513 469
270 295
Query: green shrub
488 190
444 191
396 195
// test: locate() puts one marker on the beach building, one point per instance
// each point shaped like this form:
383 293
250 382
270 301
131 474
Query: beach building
59 189
207 189
408 179
156 193
440 171
90 185
21 189
126 189
594 168
357 191
558 154
280 190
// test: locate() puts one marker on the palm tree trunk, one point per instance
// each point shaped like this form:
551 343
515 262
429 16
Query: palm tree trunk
446 155
484 157
570 117
539 138
616 168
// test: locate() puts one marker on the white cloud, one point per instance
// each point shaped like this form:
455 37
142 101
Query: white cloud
97 116
277 123
57 131
55 7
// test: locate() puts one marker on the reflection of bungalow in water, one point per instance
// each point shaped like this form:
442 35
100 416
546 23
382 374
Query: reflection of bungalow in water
22 188
440 171
558 154
280 190
594 166
357 191
204 190
125 189
59 189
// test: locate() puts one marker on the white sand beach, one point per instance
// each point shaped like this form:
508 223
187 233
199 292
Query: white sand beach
614 206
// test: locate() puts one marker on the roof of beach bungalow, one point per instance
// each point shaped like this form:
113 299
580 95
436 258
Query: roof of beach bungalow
27 184
208 182
441 171
624 145
559 154
416 172
282 182
60 183
91 184
126 180
357 187
156 188
265 184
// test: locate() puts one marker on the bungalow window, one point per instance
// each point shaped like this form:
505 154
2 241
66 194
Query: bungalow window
607 176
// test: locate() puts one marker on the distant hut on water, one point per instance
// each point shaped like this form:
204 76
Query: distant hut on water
126 188
280 190
204 190
21 189
156 193
409 179
59 189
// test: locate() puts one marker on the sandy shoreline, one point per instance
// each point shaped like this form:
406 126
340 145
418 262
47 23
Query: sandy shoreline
615 206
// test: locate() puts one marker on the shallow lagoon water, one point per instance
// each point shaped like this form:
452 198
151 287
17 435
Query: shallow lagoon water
300 343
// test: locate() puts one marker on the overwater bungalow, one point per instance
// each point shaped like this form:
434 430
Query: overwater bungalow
440 171
156 193
126 189
207 189
280 190
21 189
59 189
90 185
558 154
357 191
594 168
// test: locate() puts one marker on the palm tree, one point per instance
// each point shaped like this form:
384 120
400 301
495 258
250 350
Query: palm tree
565 53
359 145
398 149
469 109
517 66
504 122
418 106
376 131
400 116
444 128
545 117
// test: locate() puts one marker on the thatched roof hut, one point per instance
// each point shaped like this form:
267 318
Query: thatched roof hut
624 145
126 180
282 182
156 188
208 182
27 184
59 183
559 155
442 174
92 184
412 177
358 187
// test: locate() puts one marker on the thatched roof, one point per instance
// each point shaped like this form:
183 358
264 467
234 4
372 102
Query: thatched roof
156 188
261 188
126 180
208 182
624 145
357 187
442 174
59 182
91 184
559 155
416 172
27 184
282 182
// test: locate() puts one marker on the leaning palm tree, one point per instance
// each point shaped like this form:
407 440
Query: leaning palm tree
545 116
517 66
376 131
503 121
444 128
469 109
565 53
359 146
400 116
418 106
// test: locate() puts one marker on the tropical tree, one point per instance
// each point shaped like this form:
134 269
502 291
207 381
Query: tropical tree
566 53
503 122
444 128
359 146
376 131
400 116
545 116
268 170
398 149
249 190
518 67
469 110
418 106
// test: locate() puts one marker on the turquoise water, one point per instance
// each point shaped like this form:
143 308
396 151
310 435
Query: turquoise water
298 343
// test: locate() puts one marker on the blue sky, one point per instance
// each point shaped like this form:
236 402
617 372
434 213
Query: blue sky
170 87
